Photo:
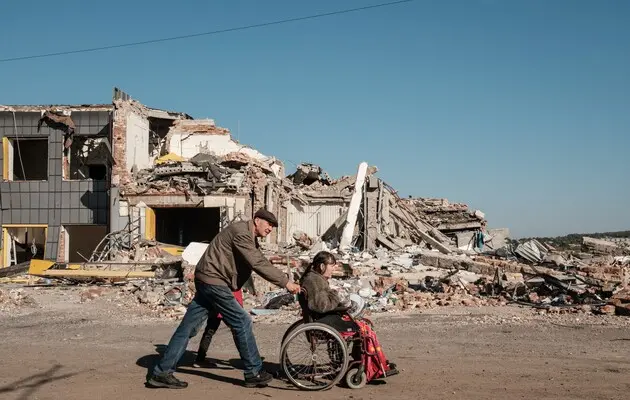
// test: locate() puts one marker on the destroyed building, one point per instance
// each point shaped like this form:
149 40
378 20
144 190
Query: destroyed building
56 162
81 180
318 206
126 192
179 180
124 172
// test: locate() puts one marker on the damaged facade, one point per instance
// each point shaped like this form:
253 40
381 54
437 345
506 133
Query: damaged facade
55 165
178 180
82 182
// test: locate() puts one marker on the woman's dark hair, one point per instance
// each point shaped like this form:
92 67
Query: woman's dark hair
320 260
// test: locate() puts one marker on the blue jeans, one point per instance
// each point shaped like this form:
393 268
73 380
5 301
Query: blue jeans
208 301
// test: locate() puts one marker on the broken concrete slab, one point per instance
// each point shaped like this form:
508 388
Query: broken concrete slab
601 247
532 251
193 252
353 210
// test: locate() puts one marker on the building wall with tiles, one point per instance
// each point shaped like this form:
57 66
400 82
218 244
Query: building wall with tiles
54 201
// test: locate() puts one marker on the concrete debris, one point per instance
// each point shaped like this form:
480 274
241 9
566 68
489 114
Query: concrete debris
203 174
91 294
302 240
15 298
307 174
353 208
532 251
410 278
604 247
416 277
60 121
394 253
193 252
201 126
446 216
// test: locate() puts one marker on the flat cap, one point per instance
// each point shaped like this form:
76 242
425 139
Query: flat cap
267 216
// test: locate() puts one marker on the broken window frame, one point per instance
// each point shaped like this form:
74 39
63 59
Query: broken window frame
5 231
67 159
8 150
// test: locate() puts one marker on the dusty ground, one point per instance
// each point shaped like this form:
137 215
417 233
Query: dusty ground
61 348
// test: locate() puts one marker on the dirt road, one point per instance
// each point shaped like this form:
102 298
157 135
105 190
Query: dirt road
99 350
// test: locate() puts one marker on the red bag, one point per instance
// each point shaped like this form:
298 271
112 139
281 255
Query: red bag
375 362
238 295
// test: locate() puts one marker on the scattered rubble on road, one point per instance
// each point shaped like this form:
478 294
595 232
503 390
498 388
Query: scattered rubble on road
424 279
12 298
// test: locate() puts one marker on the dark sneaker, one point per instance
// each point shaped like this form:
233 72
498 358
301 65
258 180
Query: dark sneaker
391 372
166 381
204 363
260 380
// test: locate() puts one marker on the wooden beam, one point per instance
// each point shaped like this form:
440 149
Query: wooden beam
387 243
459 226
424 235
82 273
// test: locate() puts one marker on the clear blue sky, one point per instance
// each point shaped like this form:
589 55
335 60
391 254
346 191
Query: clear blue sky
518 108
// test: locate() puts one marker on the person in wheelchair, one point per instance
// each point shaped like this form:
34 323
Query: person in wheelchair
322 304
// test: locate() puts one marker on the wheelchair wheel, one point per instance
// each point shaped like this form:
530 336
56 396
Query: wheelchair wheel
284 338
314 357
354 380
291 329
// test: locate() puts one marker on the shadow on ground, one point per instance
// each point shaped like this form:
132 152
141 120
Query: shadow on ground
185 366
34 382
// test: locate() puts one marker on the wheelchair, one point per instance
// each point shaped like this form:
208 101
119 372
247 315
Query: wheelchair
315 356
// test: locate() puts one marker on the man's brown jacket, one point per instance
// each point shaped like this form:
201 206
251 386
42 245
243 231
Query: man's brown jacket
231 257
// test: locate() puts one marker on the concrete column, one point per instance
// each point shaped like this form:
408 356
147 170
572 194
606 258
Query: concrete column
353 210
372 211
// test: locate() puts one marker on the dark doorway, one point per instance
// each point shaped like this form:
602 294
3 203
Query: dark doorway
82 240
180 226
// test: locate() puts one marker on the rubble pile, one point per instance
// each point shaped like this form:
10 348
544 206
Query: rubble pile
423 253
307 174
203 174
15 298
163 298
393 281
170 291
399 254
445 215
209 171
604 247
166 297
418 278
304 191
146 251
